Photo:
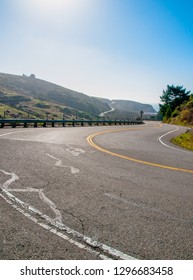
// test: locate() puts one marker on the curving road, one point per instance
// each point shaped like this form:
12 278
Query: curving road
114 192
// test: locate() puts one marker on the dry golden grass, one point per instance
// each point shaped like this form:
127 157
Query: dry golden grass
184 140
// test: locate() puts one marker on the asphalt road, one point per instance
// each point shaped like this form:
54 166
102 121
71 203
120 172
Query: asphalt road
113 192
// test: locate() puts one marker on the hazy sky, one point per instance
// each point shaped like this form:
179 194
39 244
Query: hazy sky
118 49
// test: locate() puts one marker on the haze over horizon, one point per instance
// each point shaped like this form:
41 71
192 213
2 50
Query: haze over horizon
105 48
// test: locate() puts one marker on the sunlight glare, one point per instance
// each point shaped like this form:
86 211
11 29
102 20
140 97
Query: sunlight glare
54 5
52 9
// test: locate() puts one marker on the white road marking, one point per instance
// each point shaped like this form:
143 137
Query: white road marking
74 151
55 225
59 163
12 132
54 231
9 133
168 146
52 205
14 177
42 196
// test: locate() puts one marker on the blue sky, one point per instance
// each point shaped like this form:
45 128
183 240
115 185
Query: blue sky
117 49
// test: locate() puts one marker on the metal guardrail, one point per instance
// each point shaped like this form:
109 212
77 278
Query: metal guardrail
42 122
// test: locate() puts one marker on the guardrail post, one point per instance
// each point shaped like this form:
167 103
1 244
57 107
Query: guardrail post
25 122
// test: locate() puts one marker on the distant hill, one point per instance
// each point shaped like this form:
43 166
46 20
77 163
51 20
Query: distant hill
23 96
132 106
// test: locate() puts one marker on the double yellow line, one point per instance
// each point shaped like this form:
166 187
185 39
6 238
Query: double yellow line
91 137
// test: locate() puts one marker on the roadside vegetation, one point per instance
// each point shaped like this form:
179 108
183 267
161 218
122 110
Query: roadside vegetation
177 108
184 140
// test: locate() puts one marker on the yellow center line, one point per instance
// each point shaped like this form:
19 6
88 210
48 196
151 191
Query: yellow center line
91 137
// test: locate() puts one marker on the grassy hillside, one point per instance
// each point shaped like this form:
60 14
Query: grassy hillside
29 94
13 105
183 115
184 140
22 96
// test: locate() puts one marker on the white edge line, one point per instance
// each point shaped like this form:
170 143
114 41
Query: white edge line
168 146
87 240
12 132
107 249
53 230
